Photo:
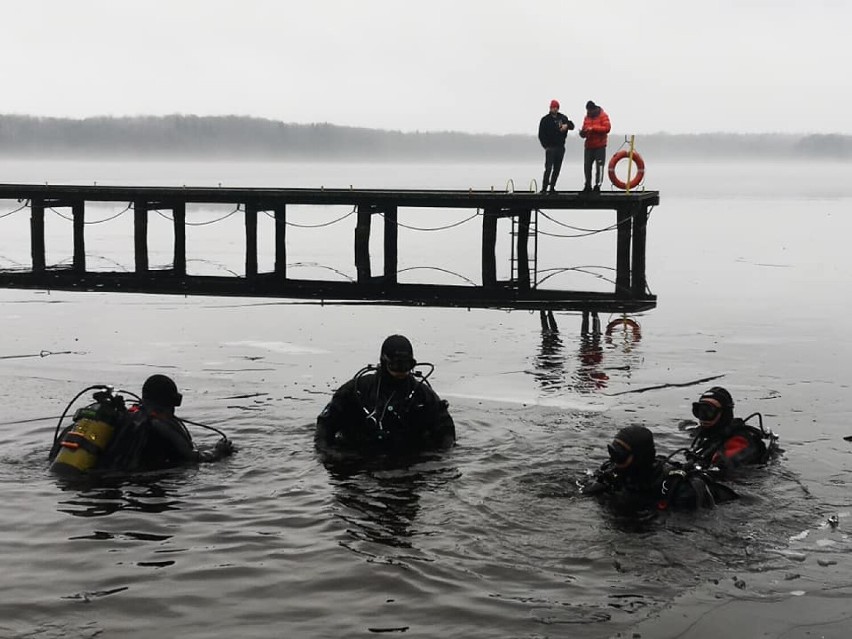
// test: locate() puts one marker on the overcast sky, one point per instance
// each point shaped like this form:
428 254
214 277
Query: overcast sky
487 66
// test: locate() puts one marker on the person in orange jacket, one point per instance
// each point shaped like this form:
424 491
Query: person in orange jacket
596 126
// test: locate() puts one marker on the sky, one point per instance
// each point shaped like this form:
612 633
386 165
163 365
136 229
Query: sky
478 66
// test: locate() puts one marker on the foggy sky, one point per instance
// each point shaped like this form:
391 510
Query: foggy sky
480 66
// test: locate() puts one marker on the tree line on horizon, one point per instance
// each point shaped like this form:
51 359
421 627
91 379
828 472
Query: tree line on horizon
248 137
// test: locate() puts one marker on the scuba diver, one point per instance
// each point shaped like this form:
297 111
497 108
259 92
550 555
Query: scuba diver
107 435
725 441
387 409
636 480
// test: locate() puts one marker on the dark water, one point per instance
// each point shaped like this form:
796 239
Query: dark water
490 539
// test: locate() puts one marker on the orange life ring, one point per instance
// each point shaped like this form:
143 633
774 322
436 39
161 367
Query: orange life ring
640 170
623 321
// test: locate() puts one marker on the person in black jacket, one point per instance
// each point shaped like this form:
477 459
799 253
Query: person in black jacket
636 480
389 409
552 131
725 441
106 436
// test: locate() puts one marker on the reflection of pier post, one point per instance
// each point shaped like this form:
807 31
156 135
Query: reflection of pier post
596 323
548 321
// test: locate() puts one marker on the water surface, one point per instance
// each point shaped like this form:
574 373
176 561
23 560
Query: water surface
490 539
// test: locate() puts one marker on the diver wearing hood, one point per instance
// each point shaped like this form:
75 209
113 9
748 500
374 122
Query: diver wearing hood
387 409
635 479
725 441
109 436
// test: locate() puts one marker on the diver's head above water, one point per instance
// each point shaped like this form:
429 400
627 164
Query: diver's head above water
397 357
714 409
633 450
161 392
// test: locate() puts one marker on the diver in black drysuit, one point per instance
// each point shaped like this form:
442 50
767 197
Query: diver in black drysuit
386 410
147 435
635 479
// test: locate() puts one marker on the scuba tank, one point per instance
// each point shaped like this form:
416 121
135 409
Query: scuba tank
78 449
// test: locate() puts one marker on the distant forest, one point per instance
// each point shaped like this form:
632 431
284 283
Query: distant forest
256 138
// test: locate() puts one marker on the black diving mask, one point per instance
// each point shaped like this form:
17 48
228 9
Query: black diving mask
619 452
705 411
400 365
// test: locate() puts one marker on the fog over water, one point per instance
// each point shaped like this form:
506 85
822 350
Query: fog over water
750 263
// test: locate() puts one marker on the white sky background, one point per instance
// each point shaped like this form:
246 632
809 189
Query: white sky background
481 66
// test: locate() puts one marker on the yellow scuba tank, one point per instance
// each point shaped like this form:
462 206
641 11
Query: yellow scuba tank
93 428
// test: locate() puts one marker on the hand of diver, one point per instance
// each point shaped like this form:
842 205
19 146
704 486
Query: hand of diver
583 132
225 447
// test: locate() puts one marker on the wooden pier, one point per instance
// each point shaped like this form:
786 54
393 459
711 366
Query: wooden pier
521 291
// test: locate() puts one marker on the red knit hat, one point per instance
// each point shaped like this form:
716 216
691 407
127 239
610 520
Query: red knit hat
554 104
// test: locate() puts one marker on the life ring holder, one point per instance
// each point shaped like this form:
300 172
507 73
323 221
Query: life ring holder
640 170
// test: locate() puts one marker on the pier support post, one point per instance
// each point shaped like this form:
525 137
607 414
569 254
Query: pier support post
179 216
78 213
489 246
281 240
640 228
622 257
523 251
391 241
362 242
37 235
140 235
251 240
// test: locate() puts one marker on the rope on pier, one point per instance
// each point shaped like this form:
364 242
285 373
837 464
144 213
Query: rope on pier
318 265
439 228
106 219
442 270
20 208
188 223
579 269
583 231
317 226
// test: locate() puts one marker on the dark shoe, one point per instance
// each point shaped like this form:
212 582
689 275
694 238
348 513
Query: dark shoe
586 189
544 190
553 190
597 189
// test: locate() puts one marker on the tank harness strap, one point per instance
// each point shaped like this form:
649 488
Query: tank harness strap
674 478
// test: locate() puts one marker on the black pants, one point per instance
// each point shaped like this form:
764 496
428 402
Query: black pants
552 165
596 157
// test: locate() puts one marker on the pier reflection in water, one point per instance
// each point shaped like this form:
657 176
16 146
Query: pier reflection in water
598 354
